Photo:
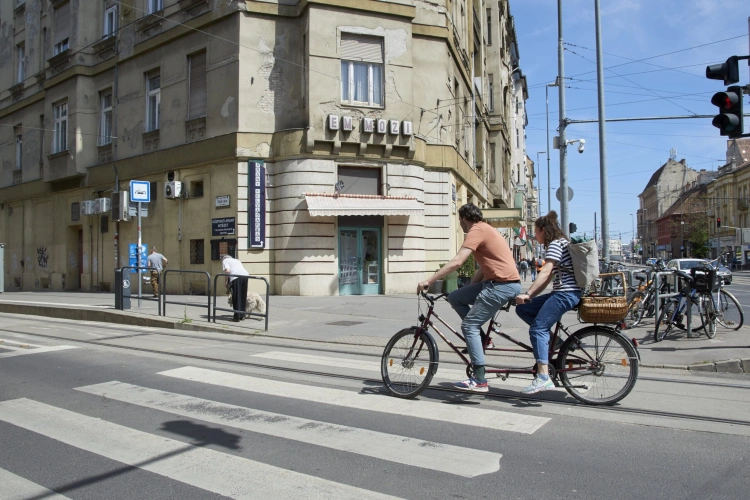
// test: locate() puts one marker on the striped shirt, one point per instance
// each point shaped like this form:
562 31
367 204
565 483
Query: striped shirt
558 253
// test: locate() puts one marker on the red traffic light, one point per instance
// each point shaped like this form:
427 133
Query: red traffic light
726 100
729 120
718 222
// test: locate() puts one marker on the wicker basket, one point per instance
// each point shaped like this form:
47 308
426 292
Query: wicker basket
604 308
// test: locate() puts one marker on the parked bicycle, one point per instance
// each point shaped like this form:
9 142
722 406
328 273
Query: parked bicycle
728 309
642 298
596 364
696 294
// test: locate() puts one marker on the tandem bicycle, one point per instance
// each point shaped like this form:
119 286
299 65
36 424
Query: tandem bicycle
596 364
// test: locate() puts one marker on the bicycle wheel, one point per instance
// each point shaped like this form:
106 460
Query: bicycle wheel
635 309
597 365
729 312
696 318
409 362
708 312
664 323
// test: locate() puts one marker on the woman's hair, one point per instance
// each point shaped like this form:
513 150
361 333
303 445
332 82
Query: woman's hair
549 226
470 212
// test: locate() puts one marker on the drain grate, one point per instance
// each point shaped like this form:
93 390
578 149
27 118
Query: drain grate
345 323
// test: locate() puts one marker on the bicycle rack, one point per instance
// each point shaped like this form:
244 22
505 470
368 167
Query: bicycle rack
658 296
163 294
244 312
149 269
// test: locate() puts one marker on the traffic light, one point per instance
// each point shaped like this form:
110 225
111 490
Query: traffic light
728 71
718 223
729 119
572 228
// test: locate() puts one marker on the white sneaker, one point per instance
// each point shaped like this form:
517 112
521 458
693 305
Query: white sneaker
537 385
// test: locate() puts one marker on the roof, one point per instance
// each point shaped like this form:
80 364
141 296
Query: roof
655 177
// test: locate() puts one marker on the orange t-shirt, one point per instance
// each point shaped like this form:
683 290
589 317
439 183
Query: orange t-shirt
491 252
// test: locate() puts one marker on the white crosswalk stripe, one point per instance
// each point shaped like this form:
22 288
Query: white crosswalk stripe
210 470
13 487
18 348
489 419
453 374
415 452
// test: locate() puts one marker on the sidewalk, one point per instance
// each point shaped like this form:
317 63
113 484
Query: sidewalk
367 320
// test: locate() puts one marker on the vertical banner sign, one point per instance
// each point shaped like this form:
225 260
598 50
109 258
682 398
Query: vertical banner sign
257 203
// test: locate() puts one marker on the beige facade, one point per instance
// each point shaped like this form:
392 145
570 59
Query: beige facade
194 91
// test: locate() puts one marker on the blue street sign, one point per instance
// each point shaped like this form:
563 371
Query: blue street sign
140 191
133 254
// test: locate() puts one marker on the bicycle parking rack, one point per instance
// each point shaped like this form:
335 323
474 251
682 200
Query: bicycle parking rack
658 297
148 269
163 291
243 312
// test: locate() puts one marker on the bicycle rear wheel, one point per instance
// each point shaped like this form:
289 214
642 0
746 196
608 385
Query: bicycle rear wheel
664 322
729 312
409 362
635 309
708 312
598 366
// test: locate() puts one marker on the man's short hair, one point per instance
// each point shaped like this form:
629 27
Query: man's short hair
470 212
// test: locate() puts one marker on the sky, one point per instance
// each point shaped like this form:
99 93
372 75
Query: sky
671 82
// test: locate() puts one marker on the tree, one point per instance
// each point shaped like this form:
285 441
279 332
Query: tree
699 241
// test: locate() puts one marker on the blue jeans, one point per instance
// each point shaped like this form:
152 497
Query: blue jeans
541 314
487 298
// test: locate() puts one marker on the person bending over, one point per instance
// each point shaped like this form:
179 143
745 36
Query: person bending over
493 285
541 312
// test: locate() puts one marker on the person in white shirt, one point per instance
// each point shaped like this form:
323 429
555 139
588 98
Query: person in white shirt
238 283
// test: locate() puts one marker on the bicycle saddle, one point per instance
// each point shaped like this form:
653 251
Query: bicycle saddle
683 275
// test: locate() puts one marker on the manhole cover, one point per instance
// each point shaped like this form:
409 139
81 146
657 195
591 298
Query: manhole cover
345 323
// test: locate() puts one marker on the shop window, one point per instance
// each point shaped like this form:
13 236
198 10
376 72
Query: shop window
358 180
196 252
196 189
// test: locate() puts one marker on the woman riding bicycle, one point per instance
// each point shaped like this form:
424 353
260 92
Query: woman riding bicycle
541 312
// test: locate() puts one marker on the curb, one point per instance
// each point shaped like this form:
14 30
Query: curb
122 318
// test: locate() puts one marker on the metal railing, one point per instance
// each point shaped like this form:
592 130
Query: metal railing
658 297
147 269
240 311
163 291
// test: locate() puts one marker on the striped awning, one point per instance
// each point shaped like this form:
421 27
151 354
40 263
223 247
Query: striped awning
323 204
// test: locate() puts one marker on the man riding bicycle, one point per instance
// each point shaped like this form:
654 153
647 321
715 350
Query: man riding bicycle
544 311
494 284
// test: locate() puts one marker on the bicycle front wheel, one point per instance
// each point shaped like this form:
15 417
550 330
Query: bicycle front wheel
664 322
729 312
598 366
408 363
708 312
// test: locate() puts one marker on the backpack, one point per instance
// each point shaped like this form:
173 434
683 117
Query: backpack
585 256
524 265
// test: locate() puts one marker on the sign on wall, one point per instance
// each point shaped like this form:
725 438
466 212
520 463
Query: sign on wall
256 174
140 191
222 201
223 227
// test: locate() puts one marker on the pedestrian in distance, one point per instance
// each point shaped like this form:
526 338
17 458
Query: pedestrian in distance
156 262
541 312
532 268
523 267
238 283
494 284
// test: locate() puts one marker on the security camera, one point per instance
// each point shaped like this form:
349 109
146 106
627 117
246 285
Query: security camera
580 147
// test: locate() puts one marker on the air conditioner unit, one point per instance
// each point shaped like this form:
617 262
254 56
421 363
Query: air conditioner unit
120 201
172 190
87 207
104 205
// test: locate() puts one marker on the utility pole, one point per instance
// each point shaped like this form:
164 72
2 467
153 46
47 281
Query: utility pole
563 123
604 187
549 178
596 241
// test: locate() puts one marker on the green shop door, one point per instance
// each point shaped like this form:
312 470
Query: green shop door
359 261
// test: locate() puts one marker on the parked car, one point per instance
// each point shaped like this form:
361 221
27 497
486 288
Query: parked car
688 264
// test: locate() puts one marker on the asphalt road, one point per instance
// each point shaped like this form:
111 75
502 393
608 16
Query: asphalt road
94 411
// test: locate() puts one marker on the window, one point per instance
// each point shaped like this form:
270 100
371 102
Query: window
61 127
20 63
105 133
196 252
75 211
489 27
362 70
153 100
62 28
196 189
197 85
104 224
491 84
518 138
19 147
154 6
110 21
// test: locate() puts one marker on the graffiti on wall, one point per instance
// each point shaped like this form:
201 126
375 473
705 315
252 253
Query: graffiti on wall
42 257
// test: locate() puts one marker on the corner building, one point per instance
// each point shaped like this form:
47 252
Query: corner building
365 123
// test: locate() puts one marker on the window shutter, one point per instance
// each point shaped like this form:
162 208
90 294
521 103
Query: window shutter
62 22
197 86
361 48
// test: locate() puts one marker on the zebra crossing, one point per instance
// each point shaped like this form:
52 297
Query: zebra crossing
234 476
13 348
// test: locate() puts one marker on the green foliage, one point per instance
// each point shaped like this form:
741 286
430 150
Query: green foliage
468 268
699 242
